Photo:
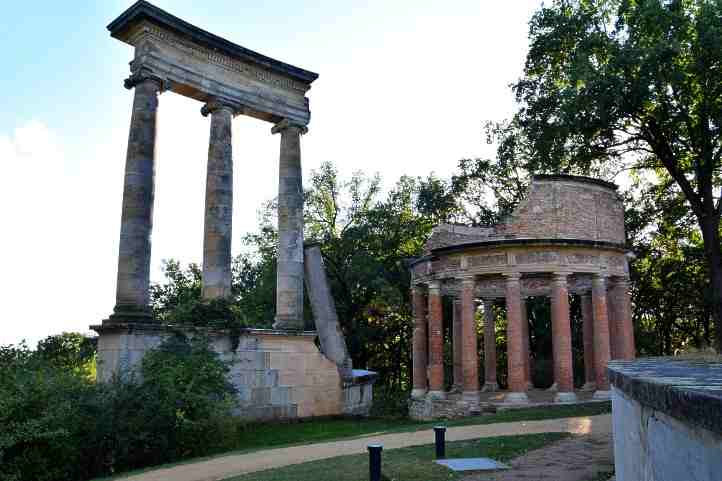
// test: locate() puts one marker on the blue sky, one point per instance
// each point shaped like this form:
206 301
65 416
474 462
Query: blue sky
404 88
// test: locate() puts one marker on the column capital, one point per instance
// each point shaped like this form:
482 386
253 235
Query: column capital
145 74
434 287
621 281
468 281
513 276
215 104
288 124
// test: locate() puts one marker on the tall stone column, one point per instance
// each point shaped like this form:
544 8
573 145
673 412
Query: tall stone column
469 349
457 346
289 279
525 343
132 296
216 282
601 336
562 339
490 384
517 384
624 326
436 342
590 383
419 343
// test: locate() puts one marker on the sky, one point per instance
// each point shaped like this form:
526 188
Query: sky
404 89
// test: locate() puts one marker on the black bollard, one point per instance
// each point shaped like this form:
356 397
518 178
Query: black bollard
439 436
375 461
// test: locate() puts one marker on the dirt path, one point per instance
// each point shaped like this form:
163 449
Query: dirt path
577 459
226 466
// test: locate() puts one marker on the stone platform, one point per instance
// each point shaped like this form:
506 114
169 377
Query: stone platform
277 374
453 406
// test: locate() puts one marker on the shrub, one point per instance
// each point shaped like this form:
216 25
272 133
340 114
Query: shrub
57 424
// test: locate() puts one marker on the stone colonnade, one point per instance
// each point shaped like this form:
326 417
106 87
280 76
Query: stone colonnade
132 295
605 308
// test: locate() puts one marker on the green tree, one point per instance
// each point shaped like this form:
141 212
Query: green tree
614 84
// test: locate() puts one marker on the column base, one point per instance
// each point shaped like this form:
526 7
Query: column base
490 387
565 397
553 388
130 315
456 389
529 386
602 395
516 398
418 393
436 395
470 397
589 386
288 325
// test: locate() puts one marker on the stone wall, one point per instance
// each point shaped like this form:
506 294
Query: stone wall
278 375
667 420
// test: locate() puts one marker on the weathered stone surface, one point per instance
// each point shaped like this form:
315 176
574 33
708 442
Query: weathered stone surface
219 204
289 280
666 419
277 374
517 383
132 296
602 353
202 66
333 343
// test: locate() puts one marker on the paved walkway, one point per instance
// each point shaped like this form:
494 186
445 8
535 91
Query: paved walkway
232 465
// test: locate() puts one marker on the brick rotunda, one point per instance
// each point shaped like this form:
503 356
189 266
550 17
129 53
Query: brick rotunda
566 237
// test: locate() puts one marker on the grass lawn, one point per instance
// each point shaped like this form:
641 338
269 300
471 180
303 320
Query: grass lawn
406 464
261 436
258 436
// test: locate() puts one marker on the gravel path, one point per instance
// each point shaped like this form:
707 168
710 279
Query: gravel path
231 465
577 459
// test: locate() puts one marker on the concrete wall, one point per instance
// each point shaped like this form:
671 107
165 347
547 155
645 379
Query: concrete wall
652 446
277 375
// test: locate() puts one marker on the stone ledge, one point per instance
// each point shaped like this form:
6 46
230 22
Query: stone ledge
159 327
688 390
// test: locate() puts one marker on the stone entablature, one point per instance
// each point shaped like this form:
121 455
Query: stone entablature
203 66
566 237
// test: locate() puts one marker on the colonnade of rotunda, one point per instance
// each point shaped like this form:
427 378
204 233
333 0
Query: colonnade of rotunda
565 238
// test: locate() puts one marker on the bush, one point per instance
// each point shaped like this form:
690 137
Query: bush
57 424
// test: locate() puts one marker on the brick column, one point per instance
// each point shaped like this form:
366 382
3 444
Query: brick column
612 316
219 203
132 293
490 383
419 354
436 342
457 340
470 351
624 326
289 276
590 383
601 336
517 384
525 343
562 339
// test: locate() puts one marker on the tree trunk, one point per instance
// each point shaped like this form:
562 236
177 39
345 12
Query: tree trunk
710 233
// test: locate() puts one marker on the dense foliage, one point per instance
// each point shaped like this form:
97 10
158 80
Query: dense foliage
59 424
632 84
